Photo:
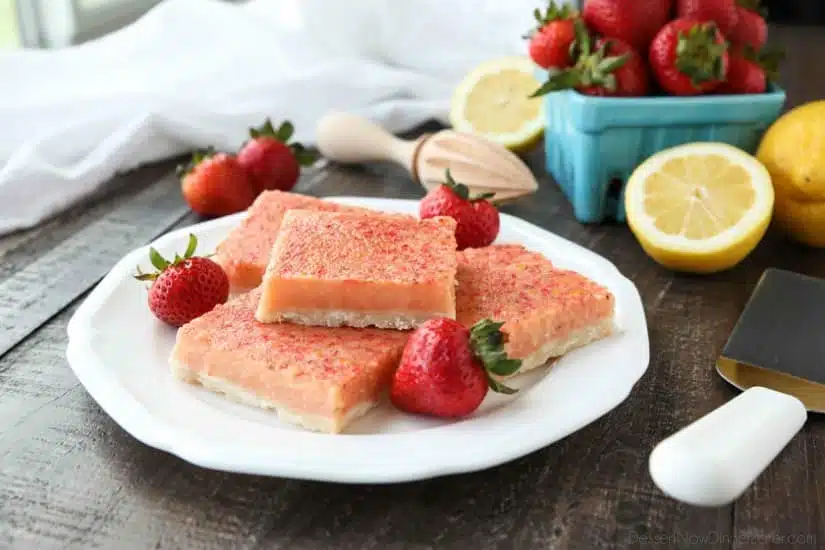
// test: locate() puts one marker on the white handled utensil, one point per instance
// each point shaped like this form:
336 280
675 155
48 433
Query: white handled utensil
482 165
714 460
777 343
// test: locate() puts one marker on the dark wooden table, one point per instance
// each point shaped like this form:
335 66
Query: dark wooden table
71 478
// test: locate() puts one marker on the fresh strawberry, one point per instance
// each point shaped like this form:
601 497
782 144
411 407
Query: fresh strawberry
270 160
185 288
215 184
613 69
751 29
553 39
447 369
632 21
721 12
750 71
689 57
477 220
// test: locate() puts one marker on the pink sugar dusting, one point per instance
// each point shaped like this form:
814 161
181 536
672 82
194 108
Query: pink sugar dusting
245 251
534 299
329 355
346 246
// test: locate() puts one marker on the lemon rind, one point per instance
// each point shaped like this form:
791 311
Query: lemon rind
530 131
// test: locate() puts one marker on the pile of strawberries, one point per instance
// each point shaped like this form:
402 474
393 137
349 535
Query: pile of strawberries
634 48
218 184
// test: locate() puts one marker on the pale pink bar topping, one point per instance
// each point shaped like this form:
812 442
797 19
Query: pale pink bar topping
346 246
245 251
536 301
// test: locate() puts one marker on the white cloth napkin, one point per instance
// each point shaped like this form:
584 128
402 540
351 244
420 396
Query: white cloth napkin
193 73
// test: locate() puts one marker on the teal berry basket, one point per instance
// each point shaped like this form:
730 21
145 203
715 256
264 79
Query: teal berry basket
593 144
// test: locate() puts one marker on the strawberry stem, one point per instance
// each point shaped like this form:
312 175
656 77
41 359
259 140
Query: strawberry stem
583 41
157 260
769 59
141 276
551 13
285 131
198 156
462 191
304 156
283 134
191 246
698 54
487 342
591 68
161 264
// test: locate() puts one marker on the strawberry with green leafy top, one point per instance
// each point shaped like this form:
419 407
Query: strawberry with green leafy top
689 57
186 287
446 369
214 184
750 71
477 220
271 161
553 40
610 67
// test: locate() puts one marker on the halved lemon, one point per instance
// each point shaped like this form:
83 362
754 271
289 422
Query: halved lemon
493 100
700 207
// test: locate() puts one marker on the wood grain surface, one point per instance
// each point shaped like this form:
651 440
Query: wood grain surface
71 478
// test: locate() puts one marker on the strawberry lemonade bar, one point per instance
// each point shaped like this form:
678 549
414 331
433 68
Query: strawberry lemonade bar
245 251
350 269
323 378
546 311
318 378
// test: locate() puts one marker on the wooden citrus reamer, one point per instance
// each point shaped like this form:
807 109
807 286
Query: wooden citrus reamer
482 165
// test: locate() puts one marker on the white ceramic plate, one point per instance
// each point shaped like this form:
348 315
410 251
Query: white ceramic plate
119 353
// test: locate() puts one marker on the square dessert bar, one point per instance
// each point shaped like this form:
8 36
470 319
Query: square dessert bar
245 251
350 269
546 311
318 378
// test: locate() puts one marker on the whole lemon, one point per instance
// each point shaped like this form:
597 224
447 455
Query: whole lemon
793 151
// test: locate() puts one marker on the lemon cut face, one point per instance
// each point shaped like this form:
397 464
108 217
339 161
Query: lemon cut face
493 101
701 207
